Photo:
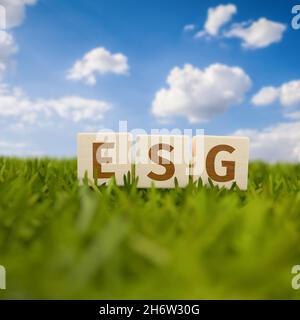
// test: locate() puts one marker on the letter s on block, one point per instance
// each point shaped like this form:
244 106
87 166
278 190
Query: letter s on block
97 168
229 165
168 165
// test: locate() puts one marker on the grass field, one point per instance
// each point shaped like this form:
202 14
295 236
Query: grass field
59 240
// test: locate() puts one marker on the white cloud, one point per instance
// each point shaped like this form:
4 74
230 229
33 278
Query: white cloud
201 34
217 17
15 104
98 61
276 143
8 147
13 15
18 149
265 96
7 48
12 145
2 18
75 108
288 94
199 94
189 27
293 115
15 11
259 34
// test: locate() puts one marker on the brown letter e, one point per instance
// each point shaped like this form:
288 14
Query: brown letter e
97 169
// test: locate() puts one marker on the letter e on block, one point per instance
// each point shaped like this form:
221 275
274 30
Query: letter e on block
224 160
162 158
103 156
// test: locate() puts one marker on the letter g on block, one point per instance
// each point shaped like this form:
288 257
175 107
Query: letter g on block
229 165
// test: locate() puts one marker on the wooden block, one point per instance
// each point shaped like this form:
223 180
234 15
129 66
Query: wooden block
222 159
103 155
161 158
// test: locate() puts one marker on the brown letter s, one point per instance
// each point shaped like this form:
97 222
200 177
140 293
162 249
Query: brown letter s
168 165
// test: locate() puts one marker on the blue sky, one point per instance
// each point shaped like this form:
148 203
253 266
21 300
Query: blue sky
151 37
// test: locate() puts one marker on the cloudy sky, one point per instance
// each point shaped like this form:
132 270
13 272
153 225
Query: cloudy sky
83 65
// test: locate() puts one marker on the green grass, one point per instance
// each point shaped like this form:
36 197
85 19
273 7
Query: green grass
60 240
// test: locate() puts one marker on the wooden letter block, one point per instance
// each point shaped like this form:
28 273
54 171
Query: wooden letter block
222 159
162 158
104 155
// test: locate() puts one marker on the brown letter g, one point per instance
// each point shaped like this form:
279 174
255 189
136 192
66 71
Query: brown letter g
229 165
